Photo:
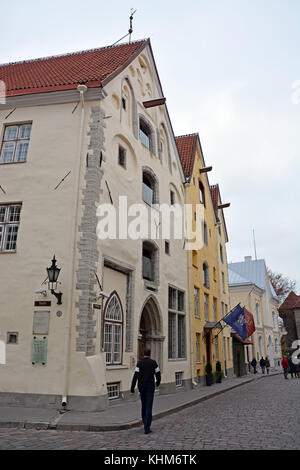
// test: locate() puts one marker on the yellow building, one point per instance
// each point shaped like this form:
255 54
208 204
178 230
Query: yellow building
208 295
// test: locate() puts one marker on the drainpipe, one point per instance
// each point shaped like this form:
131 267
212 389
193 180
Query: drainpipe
81 89
186 187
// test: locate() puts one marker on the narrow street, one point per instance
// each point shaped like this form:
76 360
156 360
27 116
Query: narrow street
261 415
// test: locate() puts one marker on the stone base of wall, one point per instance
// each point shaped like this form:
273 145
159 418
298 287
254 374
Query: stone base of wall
32 400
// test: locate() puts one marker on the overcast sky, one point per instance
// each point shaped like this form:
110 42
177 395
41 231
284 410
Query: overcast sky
227 69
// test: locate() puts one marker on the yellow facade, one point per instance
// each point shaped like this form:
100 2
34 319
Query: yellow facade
207 276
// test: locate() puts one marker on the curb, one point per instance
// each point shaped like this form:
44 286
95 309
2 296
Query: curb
55 426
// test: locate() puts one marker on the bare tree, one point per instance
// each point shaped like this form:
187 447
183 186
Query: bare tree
282 285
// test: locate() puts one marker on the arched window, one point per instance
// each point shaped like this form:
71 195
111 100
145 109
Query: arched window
260 345
205 275
113 330
146 134
201 193
205 234
274 319
149 188
258 313
150 262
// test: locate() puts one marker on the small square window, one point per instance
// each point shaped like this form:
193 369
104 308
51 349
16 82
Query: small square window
178 379
167 248
12 338
122 157
113 391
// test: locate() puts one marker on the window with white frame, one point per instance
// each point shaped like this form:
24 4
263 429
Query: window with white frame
113 390
205 275
176 324
206 307
15 143
179 379
196 302
9 226
257 307
274 319
113 331
198 340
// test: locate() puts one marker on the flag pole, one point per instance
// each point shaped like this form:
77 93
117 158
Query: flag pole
225 317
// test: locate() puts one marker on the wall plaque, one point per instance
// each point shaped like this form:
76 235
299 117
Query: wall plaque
41 322
39 350
42 303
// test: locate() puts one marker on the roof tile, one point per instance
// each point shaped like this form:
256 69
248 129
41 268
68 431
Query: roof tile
67 71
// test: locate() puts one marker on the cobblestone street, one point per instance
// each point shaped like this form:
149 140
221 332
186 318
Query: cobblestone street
260 415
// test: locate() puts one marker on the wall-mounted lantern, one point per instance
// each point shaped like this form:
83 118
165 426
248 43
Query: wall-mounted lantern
53 273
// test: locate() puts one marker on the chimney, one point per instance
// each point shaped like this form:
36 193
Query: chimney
248 258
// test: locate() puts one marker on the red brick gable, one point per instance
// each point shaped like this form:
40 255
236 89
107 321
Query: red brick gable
93 68
186 145
292 301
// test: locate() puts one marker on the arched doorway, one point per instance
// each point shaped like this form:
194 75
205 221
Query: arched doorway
150 331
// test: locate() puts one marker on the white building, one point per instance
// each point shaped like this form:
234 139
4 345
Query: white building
77 131
250 285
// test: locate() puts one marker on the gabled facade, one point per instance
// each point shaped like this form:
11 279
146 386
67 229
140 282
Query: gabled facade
289 311
78 131
250 285
207 274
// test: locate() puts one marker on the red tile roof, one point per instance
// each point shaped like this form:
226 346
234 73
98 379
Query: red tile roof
186 145
292 301
93 68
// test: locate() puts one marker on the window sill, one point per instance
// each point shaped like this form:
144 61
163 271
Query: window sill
8 252
11 163
117 366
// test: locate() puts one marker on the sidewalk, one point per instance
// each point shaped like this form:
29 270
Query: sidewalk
118 416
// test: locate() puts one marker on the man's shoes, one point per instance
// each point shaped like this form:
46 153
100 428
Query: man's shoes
147 432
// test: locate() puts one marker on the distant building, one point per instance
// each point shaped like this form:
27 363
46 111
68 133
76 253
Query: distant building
250 285
289 311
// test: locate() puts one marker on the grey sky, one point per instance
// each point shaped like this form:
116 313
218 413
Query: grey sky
227 69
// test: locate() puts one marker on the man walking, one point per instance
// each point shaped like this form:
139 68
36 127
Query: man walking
262 364
144 374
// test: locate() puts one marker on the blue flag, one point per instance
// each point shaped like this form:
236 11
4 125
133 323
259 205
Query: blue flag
236 319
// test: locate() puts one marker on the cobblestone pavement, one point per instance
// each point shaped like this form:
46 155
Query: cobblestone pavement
260 415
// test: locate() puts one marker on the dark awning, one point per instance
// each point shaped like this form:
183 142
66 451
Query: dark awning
210 325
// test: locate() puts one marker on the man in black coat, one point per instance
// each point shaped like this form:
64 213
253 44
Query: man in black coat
144 374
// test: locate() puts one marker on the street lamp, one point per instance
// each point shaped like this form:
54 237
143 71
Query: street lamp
53 273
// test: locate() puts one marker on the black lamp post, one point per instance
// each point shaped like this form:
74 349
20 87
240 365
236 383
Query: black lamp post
53 273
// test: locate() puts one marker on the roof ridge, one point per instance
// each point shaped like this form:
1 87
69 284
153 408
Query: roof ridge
67 54
187 135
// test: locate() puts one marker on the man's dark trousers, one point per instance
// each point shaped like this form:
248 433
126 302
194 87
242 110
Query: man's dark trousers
147 403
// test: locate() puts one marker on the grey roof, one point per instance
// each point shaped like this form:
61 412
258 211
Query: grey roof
235 279
253 271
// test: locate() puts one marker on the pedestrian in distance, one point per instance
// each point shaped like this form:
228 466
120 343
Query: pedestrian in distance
262 364
146 370
267 362
292 368
254 365
285 366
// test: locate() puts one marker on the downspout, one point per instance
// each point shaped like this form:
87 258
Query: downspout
220 294
81 89
186 187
